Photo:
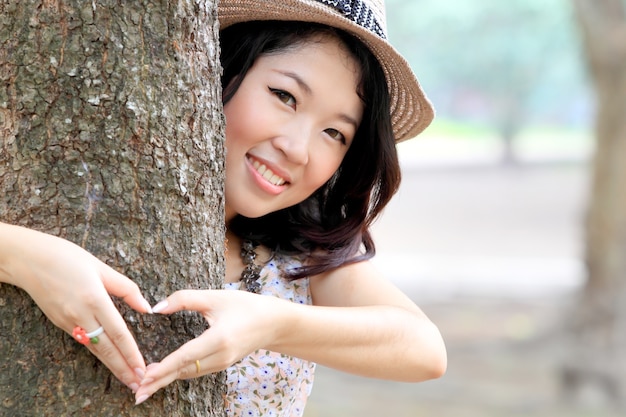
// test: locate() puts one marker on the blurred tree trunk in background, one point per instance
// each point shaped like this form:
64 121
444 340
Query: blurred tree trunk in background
598 362
112 137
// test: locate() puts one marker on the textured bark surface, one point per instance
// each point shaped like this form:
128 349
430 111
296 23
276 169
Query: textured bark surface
112 137
600 318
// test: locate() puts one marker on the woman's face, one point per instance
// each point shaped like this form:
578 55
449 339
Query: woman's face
289 125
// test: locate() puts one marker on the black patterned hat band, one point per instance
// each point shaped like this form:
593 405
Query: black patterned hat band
360 13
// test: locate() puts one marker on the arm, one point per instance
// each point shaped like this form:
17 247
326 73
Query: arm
381 334
71 287
359 323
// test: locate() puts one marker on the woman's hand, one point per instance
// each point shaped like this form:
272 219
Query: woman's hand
72 288
240 323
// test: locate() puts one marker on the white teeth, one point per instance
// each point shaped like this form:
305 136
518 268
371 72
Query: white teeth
267 173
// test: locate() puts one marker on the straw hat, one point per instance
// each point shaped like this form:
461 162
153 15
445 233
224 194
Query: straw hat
411 111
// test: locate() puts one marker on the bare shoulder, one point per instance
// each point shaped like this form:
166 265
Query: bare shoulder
358 284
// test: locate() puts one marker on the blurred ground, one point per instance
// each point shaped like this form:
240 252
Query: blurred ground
492 254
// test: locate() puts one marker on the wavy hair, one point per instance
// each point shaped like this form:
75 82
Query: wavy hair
330 227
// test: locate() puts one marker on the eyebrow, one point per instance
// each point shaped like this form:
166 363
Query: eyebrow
349 120
305 87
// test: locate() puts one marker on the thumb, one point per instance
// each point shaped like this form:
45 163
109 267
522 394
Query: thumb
192 300
123 287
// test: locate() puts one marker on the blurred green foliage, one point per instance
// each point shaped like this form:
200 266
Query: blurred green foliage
504 63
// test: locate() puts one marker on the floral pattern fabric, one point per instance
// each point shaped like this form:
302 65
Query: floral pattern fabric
265 383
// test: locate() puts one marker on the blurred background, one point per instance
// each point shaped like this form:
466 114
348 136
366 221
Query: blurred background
488 233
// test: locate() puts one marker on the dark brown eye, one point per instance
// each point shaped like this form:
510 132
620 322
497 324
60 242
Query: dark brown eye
335 134
284 96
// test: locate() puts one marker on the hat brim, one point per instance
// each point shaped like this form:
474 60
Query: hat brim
411 111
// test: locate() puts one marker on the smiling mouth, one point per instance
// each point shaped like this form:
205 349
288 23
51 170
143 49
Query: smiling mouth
268 174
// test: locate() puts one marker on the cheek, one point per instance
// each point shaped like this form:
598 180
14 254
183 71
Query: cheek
235 124
242 116
325 167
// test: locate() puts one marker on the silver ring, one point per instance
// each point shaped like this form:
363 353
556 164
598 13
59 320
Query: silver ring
95 333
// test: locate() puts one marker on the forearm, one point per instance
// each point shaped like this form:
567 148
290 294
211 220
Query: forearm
10 238
26 255
385 342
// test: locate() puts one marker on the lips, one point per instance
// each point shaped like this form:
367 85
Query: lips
267 173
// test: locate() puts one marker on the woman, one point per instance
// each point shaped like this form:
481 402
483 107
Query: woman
313 109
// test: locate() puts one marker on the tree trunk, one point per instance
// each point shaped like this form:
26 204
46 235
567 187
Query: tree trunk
112 137
599 320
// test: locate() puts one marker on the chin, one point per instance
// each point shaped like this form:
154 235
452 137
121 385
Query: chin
252 212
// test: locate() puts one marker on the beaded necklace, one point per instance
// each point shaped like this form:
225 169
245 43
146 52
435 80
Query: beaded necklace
251 272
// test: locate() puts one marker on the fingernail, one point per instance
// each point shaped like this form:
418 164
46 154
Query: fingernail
133 387
147 306
162 305
141 399
140 373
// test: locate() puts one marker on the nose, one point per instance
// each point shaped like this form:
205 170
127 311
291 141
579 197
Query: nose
294 143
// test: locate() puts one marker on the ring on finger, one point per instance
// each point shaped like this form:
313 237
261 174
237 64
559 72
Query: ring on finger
84 338
197 366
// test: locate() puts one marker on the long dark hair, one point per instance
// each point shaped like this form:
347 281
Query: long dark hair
331 227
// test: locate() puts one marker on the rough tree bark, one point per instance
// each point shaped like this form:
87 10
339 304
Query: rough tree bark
112 137
599 320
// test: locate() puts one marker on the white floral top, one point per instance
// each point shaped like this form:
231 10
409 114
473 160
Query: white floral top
265 383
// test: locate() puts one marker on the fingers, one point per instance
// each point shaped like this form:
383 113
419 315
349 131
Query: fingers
184 363
121 286
193 300
116 347
125 356
215 349
108 354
